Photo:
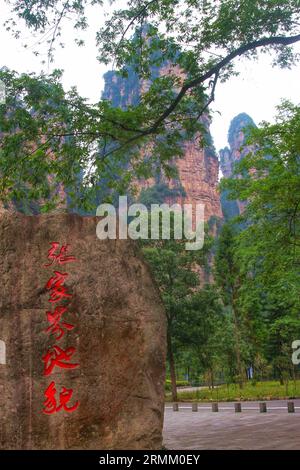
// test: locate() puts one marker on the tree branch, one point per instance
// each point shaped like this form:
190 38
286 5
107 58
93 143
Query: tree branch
213 72
132 21
280 40
212 96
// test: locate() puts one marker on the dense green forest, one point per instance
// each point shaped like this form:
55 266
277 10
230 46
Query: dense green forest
248 316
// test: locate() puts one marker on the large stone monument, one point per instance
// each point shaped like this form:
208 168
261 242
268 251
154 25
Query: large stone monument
82 341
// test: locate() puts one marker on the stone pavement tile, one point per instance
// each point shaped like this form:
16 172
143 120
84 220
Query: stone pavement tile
250 429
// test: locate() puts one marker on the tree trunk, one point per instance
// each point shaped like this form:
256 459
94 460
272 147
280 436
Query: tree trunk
172 366
237 348
281 381
211 373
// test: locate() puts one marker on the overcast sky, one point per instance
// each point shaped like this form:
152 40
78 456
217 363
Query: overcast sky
257 90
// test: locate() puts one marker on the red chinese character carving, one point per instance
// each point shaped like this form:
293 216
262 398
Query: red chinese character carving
50 404
55 283
56 357
61 257
57 326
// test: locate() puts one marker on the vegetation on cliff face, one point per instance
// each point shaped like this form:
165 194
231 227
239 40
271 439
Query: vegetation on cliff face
238 133
240 123
60 133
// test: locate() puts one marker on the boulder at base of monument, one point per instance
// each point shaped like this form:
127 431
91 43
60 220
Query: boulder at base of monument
118 339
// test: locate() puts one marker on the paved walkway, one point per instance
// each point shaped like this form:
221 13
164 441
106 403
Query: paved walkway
276 429
194 389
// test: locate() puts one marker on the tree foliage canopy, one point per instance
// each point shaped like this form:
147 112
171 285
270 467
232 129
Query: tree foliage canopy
195 42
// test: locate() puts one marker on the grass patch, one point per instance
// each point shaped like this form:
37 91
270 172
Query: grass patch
270 390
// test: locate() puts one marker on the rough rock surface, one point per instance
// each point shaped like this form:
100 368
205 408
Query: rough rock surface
198 168
119 337
198 173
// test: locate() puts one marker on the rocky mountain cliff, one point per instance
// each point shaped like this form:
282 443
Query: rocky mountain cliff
198 170
229 156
